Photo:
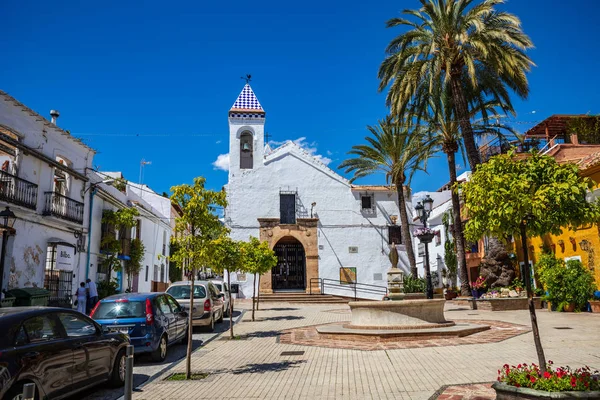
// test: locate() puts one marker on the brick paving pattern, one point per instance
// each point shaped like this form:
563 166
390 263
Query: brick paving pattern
476 391
255 368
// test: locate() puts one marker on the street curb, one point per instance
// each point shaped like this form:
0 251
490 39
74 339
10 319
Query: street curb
162 371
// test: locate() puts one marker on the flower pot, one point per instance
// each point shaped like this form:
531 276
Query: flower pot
507 392
569 308
595 305
475 292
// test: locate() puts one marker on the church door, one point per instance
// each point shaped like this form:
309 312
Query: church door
290 271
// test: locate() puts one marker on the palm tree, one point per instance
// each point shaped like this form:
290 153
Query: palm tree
462 42
437 113
397 152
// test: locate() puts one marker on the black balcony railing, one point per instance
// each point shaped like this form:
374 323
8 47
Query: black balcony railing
63 207
18 191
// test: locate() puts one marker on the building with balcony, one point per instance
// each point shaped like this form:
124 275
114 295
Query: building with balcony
43 181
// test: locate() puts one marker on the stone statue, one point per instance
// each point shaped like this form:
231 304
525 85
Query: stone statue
496 267
395 276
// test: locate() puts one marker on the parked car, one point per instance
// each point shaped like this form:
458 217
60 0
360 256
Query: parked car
208 302
224 288
60 350
153 321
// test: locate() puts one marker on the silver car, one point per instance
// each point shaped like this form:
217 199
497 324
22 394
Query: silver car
224 290
208 307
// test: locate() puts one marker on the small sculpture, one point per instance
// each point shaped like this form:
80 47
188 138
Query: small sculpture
395 276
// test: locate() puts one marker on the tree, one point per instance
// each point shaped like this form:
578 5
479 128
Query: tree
112 221
195 230
462 43
437 112
134 264
397 152
226 257
526 197
258 258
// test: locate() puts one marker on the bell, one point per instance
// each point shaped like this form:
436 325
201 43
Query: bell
246 146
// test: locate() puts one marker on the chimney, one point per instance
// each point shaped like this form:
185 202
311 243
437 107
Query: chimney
54 114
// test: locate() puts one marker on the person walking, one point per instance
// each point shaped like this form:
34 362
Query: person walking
92 293
81 298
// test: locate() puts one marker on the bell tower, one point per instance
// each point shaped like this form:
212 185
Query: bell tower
246 133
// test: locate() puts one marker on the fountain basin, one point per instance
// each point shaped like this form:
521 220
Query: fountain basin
403 314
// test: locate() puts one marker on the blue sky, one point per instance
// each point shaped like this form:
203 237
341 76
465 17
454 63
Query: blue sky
155 80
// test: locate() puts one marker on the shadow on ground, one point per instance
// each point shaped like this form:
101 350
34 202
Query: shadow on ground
283 318
266 367
278 309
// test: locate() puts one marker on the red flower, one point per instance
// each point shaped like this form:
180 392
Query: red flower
519 366
547 375
517 385
532 379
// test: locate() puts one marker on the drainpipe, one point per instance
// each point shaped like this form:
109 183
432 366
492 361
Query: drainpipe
87 267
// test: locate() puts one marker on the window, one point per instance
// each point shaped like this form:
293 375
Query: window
394 234
246 151
121 309
163 305
155 276
182 292
367 203
162 272
41 329
287 208
147 272
438 238
164 249
174 305
21 338
75 326
138 230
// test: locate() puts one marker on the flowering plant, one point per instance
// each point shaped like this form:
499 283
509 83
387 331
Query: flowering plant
423 232
479 283
562 379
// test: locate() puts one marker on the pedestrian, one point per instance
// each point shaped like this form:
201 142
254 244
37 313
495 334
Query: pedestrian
81 298
93 293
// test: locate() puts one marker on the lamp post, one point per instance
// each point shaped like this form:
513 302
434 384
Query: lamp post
423 209
7 220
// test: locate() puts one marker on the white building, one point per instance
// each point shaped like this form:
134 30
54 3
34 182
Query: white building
43 181
320 226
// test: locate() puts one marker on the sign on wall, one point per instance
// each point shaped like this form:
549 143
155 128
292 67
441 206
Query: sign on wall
65 257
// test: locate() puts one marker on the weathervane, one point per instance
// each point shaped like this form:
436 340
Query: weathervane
247 78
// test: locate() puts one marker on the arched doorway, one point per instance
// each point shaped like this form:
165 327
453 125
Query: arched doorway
290 271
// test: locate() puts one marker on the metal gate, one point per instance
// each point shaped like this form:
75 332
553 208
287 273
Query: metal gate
290 271
60 285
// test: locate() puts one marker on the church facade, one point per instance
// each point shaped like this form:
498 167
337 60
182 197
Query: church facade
319 225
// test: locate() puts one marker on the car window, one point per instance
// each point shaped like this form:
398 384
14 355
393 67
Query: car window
218 285
213 290
174 305
76 326
182 292
120 310
41 329
163 305
21 338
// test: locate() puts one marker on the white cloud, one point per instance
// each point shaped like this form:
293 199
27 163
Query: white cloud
218 141
222 162
329 153
311 148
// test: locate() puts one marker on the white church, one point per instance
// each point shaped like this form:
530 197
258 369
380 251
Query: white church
323 229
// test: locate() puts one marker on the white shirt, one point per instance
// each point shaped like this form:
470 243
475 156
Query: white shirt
92 288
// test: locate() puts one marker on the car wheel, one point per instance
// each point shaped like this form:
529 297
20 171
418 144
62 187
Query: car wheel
16 393
160 353
117 379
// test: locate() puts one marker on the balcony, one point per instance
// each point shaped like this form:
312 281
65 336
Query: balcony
18 191
63 207
125 248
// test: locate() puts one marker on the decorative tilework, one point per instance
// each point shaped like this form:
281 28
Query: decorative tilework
247 100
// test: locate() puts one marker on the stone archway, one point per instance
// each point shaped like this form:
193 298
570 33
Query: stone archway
304 232
290 271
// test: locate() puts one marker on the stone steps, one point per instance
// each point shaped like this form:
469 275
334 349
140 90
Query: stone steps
303 298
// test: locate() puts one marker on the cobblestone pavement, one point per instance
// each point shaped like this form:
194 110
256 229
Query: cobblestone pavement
256 367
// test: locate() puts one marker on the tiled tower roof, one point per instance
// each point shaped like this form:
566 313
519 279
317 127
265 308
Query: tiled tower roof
247 101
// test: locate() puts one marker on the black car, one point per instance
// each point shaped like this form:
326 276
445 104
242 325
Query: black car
61 351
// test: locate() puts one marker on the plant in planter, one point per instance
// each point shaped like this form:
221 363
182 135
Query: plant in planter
595 302
517 285
478 287
414 284
569 287
529 382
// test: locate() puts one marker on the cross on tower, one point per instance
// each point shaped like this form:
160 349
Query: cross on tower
247 78
267 136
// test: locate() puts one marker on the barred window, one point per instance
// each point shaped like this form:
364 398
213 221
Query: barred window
394 234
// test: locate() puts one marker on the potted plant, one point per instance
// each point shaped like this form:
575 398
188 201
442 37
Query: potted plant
569 287
595 302
478 287
517 285
527 382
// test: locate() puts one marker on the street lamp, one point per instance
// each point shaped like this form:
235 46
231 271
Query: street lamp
7 221
425 235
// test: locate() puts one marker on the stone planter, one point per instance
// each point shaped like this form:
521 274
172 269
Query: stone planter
595 305
507 392
414 296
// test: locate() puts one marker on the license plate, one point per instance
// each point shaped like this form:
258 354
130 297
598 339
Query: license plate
121 329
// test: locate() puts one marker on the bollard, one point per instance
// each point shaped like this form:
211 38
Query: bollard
129 373
29 391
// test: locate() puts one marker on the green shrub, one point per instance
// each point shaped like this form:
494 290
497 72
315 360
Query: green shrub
567 284
414 284
107 288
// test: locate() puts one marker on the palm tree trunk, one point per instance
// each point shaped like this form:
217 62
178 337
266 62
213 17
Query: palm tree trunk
527 276
462 112
406 236
457 230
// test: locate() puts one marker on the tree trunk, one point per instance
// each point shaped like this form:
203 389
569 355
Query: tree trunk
457 229
230 306
253 296
527 276
462 112
406 236
258 295
188 357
